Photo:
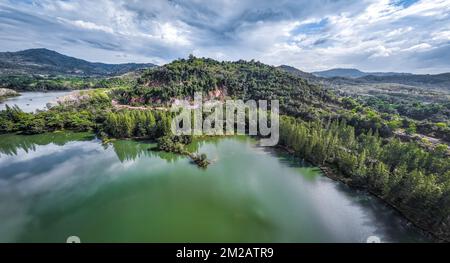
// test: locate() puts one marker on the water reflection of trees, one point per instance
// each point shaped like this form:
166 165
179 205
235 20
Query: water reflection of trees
197 143
11 143
131 149
127 150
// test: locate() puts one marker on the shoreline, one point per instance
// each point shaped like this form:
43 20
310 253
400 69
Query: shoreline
7 93
328 171
333 175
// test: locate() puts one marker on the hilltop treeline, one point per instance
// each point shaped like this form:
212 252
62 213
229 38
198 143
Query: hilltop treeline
246 80
237 80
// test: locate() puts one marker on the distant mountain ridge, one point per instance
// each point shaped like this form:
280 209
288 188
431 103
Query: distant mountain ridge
354 73
297 72
311 78
438 80
48 62
338 77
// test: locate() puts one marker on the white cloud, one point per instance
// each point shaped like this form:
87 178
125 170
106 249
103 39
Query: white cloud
87 25
441 36
366 39
419 47
311 35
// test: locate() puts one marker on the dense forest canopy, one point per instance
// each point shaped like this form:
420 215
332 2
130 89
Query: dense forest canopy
237 80
298 97
368 142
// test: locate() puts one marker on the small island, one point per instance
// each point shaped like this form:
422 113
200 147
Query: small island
176 144
400 154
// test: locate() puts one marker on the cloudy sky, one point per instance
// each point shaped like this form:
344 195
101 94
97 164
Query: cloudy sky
372 35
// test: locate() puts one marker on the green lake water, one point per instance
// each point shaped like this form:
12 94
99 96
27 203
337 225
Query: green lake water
58 185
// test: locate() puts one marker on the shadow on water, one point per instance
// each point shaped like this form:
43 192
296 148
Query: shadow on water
378 216
308 171
387 220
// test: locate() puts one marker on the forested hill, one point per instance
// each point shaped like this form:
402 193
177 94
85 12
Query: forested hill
297 72
357 77
240 80
48 62
438 80
340 72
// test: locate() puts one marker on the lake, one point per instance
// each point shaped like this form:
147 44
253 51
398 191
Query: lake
57 185
32 101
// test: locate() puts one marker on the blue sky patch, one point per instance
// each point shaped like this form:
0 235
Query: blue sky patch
404 3
311 28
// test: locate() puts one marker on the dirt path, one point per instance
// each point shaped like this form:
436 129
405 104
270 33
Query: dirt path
430 141
121 106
